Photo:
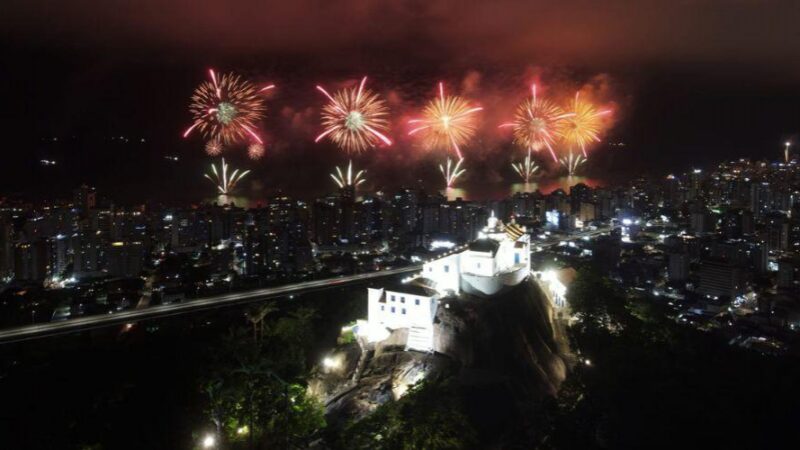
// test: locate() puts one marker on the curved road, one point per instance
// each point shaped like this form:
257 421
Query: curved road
90 322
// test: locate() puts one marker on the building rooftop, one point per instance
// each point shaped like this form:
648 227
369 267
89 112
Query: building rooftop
419 286
484 246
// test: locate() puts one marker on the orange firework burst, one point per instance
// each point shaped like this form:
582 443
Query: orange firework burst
584 124
227 109
213 147
447 122
538 123
355 119
255 150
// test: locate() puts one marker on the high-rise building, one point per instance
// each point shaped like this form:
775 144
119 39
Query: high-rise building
32 260
787 273
85 198
777 233
587 211
125 259
678 270
6 249
720 279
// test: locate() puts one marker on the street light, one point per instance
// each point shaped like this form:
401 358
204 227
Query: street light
209 441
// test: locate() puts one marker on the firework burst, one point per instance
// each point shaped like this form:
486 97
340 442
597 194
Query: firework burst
572 162
344 178
526 169
213 147
355 119
224 181
447 122
451 172
538 123
584 125
255 151
227 109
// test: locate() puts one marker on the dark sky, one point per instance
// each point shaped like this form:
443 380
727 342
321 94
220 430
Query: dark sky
690 81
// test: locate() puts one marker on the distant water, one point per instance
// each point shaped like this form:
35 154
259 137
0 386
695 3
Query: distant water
483 192
472 192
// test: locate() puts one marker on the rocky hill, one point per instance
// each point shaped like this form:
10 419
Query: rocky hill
506 349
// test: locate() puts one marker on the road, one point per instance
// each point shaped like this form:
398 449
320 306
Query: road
154 312
43 330
574 237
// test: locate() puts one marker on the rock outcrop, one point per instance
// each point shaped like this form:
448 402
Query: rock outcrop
507 340
509 337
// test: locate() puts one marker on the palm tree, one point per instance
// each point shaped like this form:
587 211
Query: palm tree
256 316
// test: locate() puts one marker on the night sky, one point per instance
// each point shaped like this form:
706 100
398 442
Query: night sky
690 82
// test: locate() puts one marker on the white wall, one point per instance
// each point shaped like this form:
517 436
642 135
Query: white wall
400 310
478 263
444 272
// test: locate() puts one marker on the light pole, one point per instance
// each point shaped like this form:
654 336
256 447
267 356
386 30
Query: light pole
786 152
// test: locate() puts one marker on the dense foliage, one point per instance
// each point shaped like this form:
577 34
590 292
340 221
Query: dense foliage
652 383
256 384
430 416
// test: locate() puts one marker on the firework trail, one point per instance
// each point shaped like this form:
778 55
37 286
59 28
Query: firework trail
538 123
225 182
584 125
227 109
572 162
355 119
348 178
527 168
447 122
452 171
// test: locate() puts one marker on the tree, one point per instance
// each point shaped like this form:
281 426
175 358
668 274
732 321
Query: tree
255 389
595 299
430 416
256 316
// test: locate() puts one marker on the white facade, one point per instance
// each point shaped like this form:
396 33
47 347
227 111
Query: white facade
497 260
389 309
488 265
445 273
479 263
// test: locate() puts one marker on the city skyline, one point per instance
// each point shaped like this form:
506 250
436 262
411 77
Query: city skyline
416 224
675 98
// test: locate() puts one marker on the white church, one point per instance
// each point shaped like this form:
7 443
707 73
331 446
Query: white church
497 260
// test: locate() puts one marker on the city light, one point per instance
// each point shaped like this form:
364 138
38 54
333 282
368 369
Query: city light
627 198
